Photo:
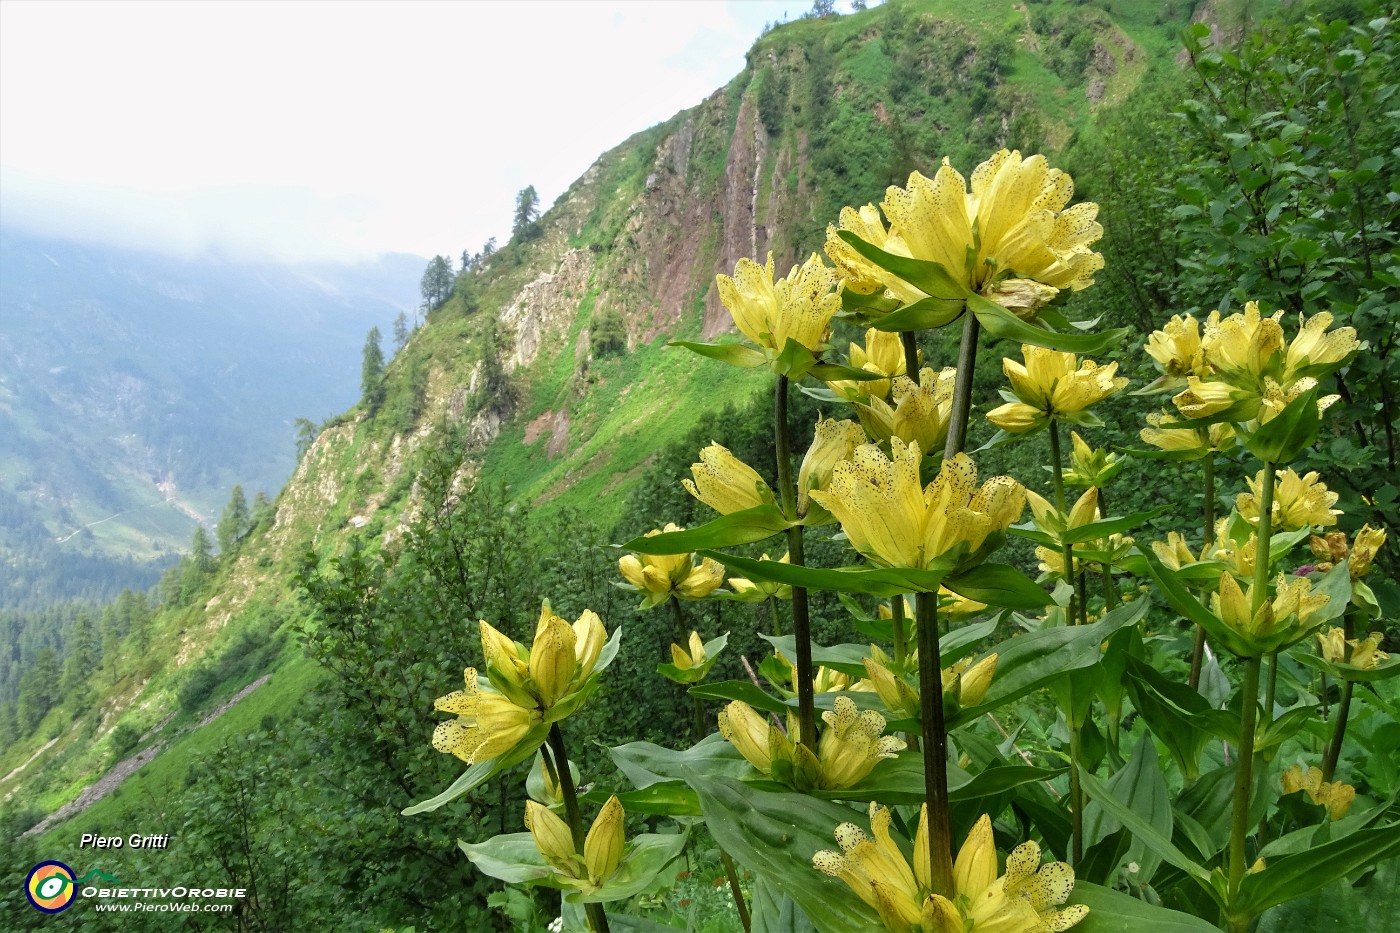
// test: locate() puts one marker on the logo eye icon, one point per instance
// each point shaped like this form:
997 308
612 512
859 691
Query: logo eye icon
50 887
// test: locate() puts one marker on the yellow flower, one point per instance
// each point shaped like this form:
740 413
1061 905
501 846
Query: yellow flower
1242 347
488 724
1048 519
1217 437
1013 222
1176 349
1276 397
920 413
894 691
1315 351
859 274
895 523
1204 398
883 353
1091 466
1363 550
1174 553
973 680
799 307
759 590
1335 796
693 658
602 848
661 576
749 732
1052 384
725 483
1026 899
1276 623
552 838
832 442
1360 653
1299 501
852 744
1022 297
1332 645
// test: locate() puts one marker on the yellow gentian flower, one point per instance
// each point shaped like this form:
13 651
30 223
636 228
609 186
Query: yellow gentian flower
849 748
1277 623
759 590
689 659
1335 796
1052 384
890 519
920 413
1026 899
883 353
1299 501
1217 437
602 848
725 483
859 274
661 576
1363 550
1315 351
832 442
769 313
488 723
1176 350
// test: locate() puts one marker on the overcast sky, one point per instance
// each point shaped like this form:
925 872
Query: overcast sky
335 129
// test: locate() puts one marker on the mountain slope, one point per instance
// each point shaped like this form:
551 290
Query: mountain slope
136 390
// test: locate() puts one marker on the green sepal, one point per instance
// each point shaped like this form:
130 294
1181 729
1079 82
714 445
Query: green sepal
1191 609
745 527
1000 322
1289 433
735 354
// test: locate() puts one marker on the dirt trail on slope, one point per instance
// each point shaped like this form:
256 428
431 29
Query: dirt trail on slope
122 770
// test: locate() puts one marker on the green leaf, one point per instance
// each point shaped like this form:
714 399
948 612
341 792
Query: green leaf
1179 716
643 864
832 372
872 581
928 277
1291 876
1384 671
483 771
735 354
741 690
1289 433
645 764
511 858
772 912
795 360
1155 453
1112 912
746 527
1190 608
1110 526
998 585
1155 841
1002 323
1030 661
775 835
1139 786
928 314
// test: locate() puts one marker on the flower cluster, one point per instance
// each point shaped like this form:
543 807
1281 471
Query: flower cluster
1335 796
1052 385
660 577
850 747
1027 898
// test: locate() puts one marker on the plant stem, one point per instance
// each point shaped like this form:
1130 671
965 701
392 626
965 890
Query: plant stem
801 626
597 917
901 644
1339 731
935 742
911 354
773 618
733 875
1076 793
1057 470
962 387
1198 647
1239 826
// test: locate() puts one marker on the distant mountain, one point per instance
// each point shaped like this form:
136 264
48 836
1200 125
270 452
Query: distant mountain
136 390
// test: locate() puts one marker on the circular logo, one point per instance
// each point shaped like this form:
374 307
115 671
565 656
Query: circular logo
50 887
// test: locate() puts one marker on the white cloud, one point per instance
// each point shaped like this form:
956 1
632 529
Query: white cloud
334 129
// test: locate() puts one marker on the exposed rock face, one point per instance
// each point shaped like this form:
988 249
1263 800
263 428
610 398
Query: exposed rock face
546 307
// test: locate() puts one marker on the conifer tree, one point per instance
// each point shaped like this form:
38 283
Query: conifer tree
372 372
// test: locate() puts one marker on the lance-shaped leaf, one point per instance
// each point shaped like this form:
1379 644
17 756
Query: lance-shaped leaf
998 585
1179 716
483 771
928 314
1289 433
1291 876
775 835
927 276
745 527
1155 453
1000 322
1140 787
645 764
1383 671
831 372
665 798
1152 838
1109 526
1190 608
735 354
1030 661
872 581
1112 912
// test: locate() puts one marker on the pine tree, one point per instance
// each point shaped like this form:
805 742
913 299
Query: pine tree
527 211
400 332
234 523
37 690
372 372
82 655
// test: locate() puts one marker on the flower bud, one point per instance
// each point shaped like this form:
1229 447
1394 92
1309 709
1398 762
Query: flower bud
552 838
602 850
